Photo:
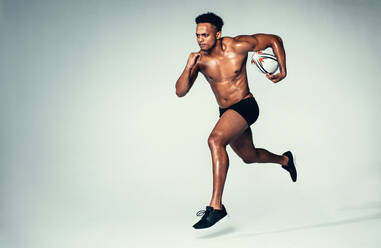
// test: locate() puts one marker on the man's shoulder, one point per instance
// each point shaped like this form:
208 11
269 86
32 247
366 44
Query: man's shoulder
229 42
237 42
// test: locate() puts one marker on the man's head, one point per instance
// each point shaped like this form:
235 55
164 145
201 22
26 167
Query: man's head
208 30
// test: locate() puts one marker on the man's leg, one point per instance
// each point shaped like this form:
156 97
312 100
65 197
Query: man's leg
230 126
245 149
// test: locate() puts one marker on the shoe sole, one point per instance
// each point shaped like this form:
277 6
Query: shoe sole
215 226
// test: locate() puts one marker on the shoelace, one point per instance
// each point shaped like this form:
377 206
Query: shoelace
201 212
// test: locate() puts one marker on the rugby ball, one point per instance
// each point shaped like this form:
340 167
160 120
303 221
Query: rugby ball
266 62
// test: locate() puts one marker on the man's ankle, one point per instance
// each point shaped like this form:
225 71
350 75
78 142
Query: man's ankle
285 160
216 206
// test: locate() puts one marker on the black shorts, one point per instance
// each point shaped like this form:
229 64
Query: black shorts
247 108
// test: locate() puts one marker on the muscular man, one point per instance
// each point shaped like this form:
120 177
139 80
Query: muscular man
222 60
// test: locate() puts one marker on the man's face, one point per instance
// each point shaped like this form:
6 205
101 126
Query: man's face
206 35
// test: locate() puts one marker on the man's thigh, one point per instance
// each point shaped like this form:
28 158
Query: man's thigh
230 126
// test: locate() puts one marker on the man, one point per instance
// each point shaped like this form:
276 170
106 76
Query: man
222 60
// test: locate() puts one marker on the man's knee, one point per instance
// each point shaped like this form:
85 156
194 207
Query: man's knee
216 139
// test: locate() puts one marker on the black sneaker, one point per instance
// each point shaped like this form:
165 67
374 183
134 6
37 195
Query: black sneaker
210 216
290 166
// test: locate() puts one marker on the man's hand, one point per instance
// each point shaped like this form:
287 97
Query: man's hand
193 57
189 75
276 77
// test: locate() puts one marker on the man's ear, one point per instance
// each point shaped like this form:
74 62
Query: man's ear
218 35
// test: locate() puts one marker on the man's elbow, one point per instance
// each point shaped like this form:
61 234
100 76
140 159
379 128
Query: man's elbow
180 93
278 39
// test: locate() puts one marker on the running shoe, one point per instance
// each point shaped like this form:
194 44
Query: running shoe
290 166
210 216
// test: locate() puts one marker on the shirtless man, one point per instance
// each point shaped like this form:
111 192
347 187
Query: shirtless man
222 60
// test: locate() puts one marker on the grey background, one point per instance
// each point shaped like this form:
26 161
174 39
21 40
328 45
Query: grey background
98 151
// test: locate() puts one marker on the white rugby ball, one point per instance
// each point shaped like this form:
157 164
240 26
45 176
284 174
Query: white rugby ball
266 63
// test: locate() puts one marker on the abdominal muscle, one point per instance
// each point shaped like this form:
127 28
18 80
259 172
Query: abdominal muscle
229 93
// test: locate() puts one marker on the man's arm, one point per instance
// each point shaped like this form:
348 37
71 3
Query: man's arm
256 42
189 75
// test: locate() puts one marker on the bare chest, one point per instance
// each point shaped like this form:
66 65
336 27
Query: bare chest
223 68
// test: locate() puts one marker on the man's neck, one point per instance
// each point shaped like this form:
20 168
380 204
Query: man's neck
216 50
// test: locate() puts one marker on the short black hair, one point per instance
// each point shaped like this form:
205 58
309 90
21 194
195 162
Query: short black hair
212 19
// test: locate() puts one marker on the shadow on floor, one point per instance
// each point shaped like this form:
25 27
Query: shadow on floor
327 224
219 233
